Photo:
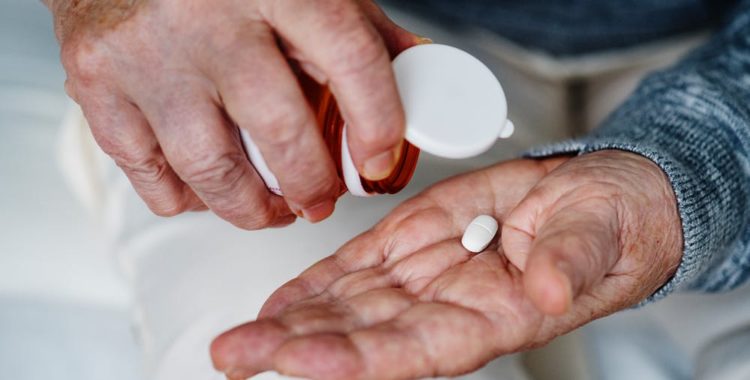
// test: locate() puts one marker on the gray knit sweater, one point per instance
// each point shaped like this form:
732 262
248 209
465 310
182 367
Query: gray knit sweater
693 120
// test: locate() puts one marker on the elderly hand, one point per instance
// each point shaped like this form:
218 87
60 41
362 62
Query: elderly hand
164 82
581 238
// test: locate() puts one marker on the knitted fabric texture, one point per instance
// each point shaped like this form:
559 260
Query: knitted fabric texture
693 120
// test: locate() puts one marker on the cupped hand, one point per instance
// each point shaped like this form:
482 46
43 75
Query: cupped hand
164 83
581 238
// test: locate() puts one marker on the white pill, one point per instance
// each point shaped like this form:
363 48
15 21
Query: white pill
479 233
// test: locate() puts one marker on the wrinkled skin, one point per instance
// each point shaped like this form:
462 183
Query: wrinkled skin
581 238
165 83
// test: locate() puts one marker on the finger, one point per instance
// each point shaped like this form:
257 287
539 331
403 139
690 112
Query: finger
408 229
331 314
573 249
368 296
519 228
336 37
204 150
360 282
425 333
261 94
396 38
379 305
230 353
413 226
524 202
318 316
124 134
247 350
419 229
416 271
364 251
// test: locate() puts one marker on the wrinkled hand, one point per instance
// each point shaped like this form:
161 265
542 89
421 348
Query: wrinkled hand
164 82
581 238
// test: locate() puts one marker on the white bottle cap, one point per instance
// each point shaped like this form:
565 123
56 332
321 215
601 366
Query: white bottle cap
454 104
455 108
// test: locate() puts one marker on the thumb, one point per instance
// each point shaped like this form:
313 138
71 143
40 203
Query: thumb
564 248
396 38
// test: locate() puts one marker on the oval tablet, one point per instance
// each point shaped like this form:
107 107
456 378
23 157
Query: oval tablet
479 233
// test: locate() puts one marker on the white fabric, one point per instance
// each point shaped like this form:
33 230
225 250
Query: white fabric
63 310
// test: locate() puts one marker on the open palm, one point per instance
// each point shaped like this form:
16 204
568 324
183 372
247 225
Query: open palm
406 300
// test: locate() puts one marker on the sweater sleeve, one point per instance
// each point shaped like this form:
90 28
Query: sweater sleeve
693 120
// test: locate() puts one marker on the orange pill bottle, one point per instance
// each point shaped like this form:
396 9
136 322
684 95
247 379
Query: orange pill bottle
332 128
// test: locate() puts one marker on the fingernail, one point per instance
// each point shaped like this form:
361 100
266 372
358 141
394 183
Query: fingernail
297 211
319 212
381 166
424 40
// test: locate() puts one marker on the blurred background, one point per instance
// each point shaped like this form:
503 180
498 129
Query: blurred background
92 286
63 310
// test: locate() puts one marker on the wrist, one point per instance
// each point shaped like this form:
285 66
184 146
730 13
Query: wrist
651 206
551 163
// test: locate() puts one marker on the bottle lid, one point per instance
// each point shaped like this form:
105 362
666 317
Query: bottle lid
455 107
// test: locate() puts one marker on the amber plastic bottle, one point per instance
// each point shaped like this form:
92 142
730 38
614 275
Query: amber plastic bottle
331 125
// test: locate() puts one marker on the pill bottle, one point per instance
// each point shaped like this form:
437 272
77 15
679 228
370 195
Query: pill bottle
454 106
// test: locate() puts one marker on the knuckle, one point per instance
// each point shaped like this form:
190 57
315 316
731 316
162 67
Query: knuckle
262 217
71 91
108 143
148 171
314 190
149 178
361 48
162 199
215 173
280 126
217 178
338 14
360 51
84 61
380 136
309 180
